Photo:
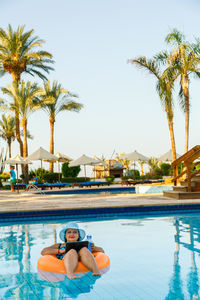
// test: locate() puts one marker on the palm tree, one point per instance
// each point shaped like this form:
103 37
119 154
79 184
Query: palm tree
125 162
153 164
141 163
19 54
7 130
25 101
183 60
54 100
164 88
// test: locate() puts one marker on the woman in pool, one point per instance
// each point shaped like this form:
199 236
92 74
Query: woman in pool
72 233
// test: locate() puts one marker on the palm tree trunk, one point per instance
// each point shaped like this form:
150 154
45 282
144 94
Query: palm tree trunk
18 132
25 149
173 145
141 166
16 80
185 85
52 121
142 170
9 148
170 115
172 138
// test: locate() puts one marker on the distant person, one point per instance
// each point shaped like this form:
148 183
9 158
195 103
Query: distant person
34 179
33 182
12 178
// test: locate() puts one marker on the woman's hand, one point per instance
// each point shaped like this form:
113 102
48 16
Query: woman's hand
52 250
61 251
96 248
92 247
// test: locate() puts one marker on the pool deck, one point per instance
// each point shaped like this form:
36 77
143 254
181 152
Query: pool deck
30 201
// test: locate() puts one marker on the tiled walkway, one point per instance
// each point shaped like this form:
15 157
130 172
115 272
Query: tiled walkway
11 202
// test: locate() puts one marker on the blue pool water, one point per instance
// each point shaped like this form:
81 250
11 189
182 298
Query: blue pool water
154 257
116 190
147 189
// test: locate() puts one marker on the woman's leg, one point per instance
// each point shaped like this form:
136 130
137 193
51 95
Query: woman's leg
88 260
12 187
71 262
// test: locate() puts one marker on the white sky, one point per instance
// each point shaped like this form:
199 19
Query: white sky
91 42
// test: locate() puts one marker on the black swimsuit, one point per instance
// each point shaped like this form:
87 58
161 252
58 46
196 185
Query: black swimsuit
61 255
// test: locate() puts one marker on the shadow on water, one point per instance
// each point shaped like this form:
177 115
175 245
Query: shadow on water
69 287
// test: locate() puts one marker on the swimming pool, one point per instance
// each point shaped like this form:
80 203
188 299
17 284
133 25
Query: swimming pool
88 191
155 257
140 189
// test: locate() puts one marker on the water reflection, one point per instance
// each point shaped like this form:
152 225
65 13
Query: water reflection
187 237
18 277
20 248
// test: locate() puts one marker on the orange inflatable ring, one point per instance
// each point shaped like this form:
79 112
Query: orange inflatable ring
50 263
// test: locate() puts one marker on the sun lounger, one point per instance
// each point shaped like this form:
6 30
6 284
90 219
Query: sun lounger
56 185
134 182
128 182
89 184
20 186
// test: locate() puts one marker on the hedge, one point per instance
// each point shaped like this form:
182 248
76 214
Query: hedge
74 179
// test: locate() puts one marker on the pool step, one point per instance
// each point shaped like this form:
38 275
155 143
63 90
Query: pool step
180 188
182 195
181 191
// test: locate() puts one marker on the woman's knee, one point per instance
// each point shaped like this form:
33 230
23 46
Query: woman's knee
71 253
84 251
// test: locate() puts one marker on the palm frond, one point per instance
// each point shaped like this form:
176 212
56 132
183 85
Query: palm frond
175 37
161 57
2 73
19 53
149 64
71 106
197 74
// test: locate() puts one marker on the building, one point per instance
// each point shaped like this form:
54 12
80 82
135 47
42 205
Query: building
112 168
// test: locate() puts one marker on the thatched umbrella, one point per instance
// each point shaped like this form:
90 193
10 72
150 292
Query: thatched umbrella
42 155
84 161
61 158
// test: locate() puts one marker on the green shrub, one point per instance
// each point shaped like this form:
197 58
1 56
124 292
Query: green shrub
158 172
110 179
153 176
74 179
125 177
52 177
6 187
197 166
166 169
70 171
133 174
143 177
38 173
4 176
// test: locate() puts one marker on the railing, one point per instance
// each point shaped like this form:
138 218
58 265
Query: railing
187 159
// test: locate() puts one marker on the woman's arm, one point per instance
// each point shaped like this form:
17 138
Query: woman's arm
96 248
53 250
